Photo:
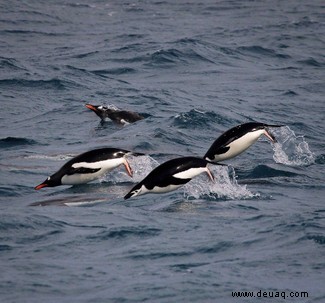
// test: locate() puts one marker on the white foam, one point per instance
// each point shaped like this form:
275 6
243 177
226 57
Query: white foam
291 149
225 186
140 165
51 157
112 106
84 203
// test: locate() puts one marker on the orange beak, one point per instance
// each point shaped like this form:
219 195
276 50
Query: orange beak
40 186
92 107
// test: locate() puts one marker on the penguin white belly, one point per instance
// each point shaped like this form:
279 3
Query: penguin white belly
240 145
165 189
81 178
156 190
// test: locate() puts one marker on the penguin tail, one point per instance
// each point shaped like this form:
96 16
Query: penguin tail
136 154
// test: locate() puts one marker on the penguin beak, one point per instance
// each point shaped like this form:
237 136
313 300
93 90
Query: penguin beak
211 176
128 168
91 107
41 186
269 135
135 191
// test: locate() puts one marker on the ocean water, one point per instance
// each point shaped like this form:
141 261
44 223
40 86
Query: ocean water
194 69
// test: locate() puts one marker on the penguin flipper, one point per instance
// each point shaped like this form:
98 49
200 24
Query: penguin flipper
83 170
221 150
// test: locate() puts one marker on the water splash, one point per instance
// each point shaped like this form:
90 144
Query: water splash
224 187
51 157
141 167
291 149
112 106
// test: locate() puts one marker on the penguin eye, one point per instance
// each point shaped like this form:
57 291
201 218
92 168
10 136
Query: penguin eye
49 178
118 154
136 192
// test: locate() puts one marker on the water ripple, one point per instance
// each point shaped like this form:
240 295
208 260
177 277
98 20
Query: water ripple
9 142
126 232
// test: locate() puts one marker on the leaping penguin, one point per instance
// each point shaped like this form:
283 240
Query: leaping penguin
117 116
89 166
237 139
170 176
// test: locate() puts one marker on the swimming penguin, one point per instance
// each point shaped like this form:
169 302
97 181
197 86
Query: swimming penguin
117 116
89 166
170 176
237 139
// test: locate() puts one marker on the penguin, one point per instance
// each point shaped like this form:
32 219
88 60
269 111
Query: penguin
116 115
89 166
170 175
237 139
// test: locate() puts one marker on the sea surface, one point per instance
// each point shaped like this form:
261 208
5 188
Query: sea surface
194 69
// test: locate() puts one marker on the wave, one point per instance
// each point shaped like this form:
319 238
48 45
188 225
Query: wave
60 157
4 247
114 71
9 191
15 141
290 93
125 232
45 84
10 64
198 119
291 149
165 57
173 56
312 62
265 171
26 223
320 159
319 239
184 52
262 51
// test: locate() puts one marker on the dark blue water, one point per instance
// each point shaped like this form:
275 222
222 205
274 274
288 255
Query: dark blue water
195 69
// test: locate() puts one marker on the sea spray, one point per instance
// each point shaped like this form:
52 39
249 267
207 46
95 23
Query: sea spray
140 165
291 149
225 186
111 106
60 157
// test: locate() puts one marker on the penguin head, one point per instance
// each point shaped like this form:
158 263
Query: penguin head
264 127
135 191
51 181
100 110
269 135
